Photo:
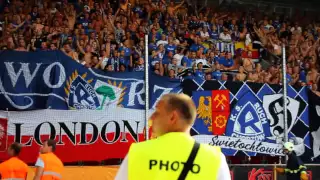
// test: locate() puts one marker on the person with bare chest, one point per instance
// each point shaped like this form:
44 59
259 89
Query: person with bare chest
241 76
247 63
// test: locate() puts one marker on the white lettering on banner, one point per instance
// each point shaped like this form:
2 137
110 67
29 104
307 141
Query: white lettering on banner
27 99
164 91
261 114
240 144
110 126
28 77
61 79
257 137
133 93
233 117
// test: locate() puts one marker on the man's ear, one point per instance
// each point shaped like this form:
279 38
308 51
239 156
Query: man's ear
174 117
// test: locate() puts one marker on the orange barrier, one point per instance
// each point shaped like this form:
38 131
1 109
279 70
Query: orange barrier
85 172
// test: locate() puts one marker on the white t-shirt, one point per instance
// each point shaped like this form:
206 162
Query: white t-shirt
225 37
39 163
179 58
104 62
204 34
223 172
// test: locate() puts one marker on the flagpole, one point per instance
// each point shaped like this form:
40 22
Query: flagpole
284 90
146 85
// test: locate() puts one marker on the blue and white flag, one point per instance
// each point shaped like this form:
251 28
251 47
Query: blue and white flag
52 80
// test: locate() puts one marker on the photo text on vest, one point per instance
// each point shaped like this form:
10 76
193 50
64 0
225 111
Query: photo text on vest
171 166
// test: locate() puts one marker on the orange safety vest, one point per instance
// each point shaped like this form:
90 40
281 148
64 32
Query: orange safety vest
53 167
13 168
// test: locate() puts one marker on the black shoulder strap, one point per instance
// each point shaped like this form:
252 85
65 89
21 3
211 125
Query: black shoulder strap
189 164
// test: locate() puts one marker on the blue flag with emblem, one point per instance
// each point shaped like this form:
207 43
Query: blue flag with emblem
255 124
52 80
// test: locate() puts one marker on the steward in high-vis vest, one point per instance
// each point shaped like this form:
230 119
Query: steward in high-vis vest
49 166
14 168
174 154
295 169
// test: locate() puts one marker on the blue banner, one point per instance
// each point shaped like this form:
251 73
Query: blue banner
160 86
52 80
254 124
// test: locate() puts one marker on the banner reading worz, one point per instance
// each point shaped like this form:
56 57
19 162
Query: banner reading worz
254 124
86 135
52 80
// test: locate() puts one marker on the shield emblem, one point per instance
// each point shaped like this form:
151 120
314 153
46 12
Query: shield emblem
273 106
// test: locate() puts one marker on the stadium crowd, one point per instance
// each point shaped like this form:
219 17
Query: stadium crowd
109 35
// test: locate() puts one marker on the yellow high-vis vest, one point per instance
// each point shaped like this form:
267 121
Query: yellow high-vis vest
164 158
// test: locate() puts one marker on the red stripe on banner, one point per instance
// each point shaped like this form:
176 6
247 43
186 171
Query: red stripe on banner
220 100
219 122
111 147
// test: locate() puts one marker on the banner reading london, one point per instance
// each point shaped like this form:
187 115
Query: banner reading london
87 110
247 118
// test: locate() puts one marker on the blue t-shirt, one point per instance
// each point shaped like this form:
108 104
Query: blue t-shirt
187 60
216 58
127 51
84 22
199 74
303 76
153 60
124 61
152 46
289 79
214 35
158 36
217 75
166 60
195 47
225 62
171 48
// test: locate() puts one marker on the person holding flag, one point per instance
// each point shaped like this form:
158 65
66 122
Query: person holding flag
295 169
173 154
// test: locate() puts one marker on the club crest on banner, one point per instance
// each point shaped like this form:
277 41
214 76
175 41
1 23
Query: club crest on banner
81 94
273 105
248 119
